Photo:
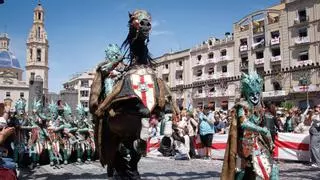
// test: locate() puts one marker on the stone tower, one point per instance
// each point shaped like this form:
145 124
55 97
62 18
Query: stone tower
37 50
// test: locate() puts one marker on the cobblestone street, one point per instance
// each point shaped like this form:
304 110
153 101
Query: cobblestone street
162 168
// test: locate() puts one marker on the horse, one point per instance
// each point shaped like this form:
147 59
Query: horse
122 116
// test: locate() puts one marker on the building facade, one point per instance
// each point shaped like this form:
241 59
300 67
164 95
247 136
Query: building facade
281 43
77 89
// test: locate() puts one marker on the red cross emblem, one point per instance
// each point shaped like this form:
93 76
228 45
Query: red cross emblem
143 86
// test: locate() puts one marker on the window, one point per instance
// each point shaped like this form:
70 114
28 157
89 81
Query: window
199 57
199 90
31 53
166 78
210 70
84 83
276 86
275 52
303 32
180 63
199 73
302 15
210 55
179 76
85 104
210 42
38 33
259 55
39 55
166 66
84 93
303 56
260 71
275 34
224 69
32 75
39 16
7 94
21 94
224 105
223 52
243 42
212 89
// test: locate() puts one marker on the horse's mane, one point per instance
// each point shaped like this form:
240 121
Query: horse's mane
137 48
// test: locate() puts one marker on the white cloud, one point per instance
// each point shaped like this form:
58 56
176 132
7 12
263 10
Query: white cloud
155 23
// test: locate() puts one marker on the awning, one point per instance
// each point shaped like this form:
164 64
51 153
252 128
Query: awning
303 53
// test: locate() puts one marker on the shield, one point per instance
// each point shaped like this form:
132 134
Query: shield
143 86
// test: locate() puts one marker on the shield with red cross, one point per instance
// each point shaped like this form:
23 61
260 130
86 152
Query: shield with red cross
143 86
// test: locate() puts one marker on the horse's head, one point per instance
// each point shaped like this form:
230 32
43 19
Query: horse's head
140 24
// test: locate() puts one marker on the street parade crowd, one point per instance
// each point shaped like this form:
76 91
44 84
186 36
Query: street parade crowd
46 135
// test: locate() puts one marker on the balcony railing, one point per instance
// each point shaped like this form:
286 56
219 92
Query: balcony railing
224 58
300 19
259 61
276 58
243 48
211 60
165 71
223 41
179 82
179 68
274 93
199 63
198 78
301 40
211 76
275 41
199 95
305 62
259 44
212 94
222 75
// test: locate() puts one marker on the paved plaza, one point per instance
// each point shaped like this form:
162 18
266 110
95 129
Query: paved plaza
155 168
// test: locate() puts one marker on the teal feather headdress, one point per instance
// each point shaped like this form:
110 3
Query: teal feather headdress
20 104
113 53
80 110
36 105
251 83
53 109
67 110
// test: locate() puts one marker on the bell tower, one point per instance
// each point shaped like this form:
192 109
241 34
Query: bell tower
37 50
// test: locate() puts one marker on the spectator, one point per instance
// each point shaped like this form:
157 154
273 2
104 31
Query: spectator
206 129
270 120
192 126
288 125
315 138
303 127
219 126
5 132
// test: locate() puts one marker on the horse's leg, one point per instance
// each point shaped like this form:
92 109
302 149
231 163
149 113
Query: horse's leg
133 163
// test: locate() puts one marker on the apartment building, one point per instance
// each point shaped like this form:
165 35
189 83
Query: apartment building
77 89
281 43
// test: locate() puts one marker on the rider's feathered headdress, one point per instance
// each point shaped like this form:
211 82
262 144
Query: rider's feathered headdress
36 105
251 82
67 110
80 110
53 109
20 104
113 53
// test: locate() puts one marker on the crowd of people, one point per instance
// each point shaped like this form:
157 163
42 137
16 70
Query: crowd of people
45 135
206 122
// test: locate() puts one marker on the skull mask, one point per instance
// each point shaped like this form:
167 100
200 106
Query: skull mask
140 21
251 87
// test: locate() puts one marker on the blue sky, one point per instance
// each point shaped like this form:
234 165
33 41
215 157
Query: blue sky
79 30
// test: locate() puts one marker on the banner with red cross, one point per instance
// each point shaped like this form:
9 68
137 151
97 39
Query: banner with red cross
143 86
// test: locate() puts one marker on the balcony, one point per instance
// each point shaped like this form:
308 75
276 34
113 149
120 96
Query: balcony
198 63
222 75
212 94
259 62
301 19
269 94
211 76
199 95
258 45
305 62
211 60
179 82
243 48
224 58
301 40
275 41
275 58
197 78
165 71
179 68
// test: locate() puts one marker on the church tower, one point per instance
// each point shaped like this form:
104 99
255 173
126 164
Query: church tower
37 50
